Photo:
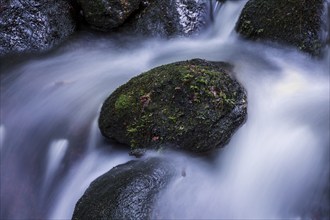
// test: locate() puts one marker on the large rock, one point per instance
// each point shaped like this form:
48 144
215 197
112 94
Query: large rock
195 105
34 25
155 18
105 15
297 23
127 191
164 18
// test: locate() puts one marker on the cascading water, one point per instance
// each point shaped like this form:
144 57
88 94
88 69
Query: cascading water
276 166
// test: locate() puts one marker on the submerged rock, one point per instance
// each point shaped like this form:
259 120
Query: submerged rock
34 25
105 15
127 191
297 23
195 105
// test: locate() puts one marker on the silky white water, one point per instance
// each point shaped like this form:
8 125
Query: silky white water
276 165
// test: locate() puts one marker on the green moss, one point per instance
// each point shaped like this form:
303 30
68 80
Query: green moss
204 82
132 130
172 118
123 102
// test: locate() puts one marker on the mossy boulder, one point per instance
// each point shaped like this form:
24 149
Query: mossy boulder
194 105
127 191
296 23
105 15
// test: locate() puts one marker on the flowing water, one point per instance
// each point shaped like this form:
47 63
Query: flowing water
276 166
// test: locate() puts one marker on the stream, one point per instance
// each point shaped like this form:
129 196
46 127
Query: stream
276 166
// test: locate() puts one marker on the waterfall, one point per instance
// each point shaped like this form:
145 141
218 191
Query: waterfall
224 25
274 167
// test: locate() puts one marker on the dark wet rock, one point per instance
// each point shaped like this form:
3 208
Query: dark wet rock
105 15
34 25
127 191
161 18
297 23
165 18
194 105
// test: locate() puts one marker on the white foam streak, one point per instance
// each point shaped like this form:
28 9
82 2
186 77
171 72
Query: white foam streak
56 153
2 137
94 135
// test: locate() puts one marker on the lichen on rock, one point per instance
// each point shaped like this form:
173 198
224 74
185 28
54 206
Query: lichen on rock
194 105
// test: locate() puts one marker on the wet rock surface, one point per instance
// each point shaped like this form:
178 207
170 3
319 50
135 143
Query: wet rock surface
107 15
165 18
194 105
127 191
27 26
297 23
161 18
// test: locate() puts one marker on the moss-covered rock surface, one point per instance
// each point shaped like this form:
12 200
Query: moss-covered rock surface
293 22
194 105
127 191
